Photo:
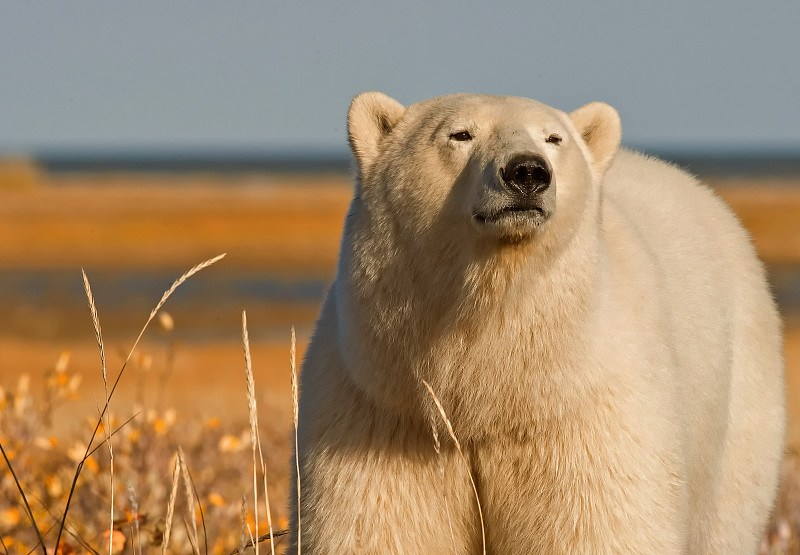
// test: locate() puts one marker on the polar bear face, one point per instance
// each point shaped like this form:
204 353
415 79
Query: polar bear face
502 170
459 200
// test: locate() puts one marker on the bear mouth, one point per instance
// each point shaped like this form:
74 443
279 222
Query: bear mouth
520 215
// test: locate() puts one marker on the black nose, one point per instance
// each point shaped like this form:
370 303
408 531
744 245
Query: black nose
527 173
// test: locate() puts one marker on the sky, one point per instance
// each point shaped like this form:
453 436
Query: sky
277 77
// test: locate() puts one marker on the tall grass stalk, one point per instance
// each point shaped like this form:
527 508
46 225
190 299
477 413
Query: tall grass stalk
28 510
73 534
243 537
192 539
107 442
266 501
181 471
97 331
136 539
437 447
255 439
295 418
450 431
161 302
244 543
190 508
173 494
107 428
187 476
252 414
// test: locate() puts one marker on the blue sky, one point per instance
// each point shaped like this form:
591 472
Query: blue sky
278 76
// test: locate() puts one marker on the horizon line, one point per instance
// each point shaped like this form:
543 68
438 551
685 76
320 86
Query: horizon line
730 161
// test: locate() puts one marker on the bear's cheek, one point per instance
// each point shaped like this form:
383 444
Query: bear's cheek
416 203
573 195
439 191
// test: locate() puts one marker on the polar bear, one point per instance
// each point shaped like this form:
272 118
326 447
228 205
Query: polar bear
594 322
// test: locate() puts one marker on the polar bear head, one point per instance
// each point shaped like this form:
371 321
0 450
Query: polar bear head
478 168
465 209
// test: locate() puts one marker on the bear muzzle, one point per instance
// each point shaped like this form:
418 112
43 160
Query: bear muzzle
520 200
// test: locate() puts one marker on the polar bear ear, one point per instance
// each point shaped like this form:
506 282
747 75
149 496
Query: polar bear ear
372 116
600 127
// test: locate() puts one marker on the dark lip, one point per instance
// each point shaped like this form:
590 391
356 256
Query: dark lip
507 211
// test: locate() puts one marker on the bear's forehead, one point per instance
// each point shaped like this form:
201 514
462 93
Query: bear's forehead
482 109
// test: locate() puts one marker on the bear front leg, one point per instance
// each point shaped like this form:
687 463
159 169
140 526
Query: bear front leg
373 483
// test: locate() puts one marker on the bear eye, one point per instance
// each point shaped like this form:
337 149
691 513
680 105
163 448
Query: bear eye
554 139
461 136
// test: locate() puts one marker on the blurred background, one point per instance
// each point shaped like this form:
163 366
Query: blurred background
137 139
140 138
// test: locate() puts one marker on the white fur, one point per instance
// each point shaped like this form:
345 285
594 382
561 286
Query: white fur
614 374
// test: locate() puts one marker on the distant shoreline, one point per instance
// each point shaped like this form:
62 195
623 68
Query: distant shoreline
714 164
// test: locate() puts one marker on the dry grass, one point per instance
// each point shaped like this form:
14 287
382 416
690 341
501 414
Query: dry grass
285 224
255 439
43 508
295 418
288 223
145 457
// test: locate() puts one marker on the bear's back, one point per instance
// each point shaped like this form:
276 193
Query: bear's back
675 236
721 322
682 229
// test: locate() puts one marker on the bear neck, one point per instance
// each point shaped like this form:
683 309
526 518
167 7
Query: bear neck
464 320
